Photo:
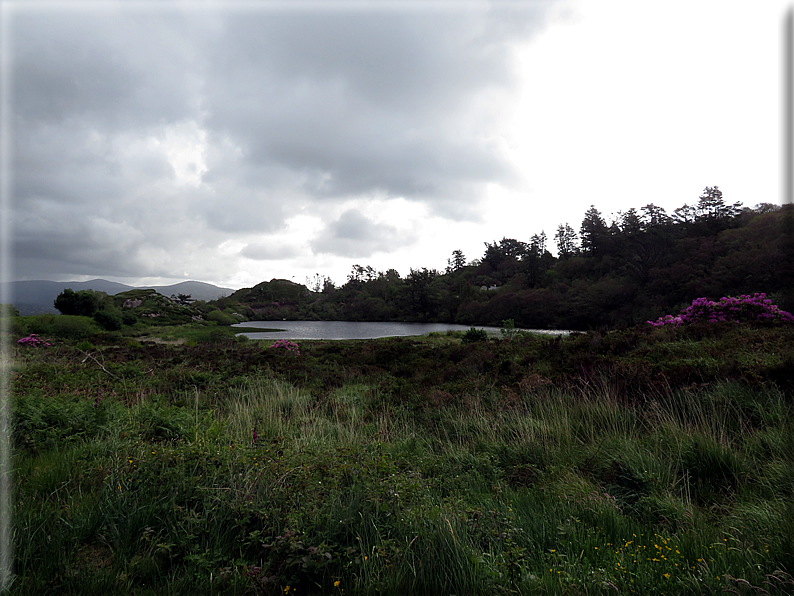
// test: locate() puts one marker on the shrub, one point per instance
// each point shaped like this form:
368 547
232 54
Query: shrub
508 329
473 335
744 308
129 318
33 340
8 310
220 317
63 326
74 327
290 346
82 303
109 320
215 336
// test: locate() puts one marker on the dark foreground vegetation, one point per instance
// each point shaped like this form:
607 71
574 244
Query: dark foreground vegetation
652 460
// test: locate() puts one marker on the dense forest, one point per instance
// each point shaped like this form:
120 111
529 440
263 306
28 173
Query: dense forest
637 266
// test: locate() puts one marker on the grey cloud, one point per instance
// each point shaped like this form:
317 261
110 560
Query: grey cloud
373 102
74 246
298 108
79 166
355 235
104 69
270 251
243 212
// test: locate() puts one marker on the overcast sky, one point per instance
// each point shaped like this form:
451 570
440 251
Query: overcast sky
158 142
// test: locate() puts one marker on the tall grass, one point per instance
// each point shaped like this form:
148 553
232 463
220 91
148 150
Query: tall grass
272 488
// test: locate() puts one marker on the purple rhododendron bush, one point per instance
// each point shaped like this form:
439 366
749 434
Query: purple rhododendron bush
33 340
290 346
743 308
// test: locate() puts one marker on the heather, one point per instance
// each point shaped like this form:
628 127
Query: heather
648 460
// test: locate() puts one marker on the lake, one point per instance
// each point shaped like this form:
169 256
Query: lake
351 330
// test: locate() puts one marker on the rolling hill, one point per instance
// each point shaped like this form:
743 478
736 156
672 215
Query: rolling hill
37 296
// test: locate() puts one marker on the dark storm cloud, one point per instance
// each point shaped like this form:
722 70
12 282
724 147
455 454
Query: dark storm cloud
367 103
107 70
295 107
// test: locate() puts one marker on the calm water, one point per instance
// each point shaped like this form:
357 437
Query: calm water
349 330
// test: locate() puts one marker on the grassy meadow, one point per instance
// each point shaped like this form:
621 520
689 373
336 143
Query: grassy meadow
643 461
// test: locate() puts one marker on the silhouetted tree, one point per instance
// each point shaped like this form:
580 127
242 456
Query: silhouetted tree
361 274
711 205
565 238
629 222
182 299
594 233
685 214
537 244
319 283
419 291
653 216
456 262
505 249
762 208
537 260
713 214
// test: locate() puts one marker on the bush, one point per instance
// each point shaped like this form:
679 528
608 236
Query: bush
33 340
109 320
216 336
473 335
508 329
63 326
129 318
8 310
74 327
83 303
755 308
220 317
19 325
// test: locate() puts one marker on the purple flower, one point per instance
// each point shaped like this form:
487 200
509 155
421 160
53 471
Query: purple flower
33 340
756 307
290 346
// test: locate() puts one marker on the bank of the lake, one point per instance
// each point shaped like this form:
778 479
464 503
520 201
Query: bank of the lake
340 330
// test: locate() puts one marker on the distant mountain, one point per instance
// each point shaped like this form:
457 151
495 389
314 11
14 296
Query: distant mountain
37 297
197 289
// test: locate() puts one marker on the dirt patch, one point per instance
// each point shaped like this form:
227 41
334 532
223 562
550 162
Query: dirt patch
160 340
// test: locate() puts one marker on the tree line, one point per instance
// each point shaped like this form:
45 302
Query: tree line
639 265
